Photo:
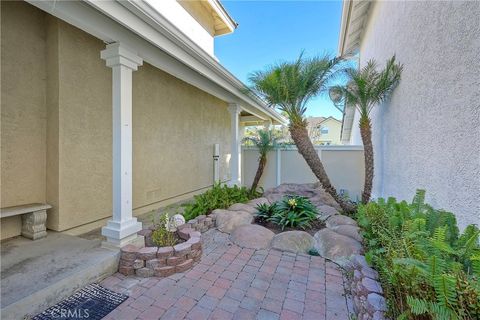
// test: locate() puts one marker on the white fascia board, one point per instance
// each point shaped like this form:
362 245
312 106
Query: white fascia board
223 14
344 21
158 43
355 14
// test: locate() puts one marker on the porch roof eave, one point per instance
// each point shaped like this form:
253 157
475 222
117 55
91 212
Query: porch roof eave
158 42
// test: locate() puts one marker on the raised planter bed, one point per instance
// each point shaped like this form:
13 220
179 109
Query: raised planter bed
151 260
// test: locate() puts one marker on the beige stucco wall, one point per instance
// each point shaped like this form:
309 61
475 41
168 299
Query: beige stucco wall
23 110
175 126
57 126
85 130
344 166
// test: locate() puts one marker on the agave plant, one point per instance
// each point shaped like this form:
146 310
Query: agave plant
289 86
366 88
265 140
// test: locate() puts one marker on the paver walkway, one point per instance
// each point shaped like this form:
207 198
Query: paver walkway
235 283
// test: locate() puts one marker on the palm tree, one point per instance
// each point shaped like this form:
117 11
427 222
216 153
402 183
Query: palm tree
289 86
265 140
366 88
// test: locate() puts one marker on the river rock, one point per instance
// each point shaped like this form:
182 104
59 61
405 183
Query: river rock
255 202
339 220
336 247
228 220
349 231
293 241
243 207
252 236
325 212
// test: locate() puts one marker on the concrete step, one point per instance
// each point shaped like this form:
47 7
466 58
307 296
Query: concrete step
38 274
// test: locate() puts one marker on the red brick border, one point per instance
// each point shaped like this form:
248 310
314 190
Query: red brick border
164 261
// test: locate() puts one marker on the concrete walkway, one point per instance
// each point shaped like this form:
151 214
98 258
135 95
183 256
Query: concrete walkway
38 274
237 283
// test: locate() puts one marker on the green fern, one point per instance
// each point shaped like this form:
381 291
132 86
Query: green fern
426 268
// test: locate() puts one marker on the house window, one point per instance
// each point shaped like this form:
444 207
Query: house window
324 130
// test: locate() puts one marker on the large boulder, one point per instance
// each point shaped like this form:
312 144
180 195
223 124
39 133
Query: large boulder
293 241
243 207
339 220
228 220
255 202
349 231
274 197
336 247
314 191
325 212
252 236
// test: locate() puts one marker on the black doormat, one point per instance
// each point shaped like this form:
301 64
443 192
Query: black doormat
92 302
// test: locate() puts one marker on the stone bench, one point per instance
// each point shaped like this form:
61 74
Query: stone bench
34 217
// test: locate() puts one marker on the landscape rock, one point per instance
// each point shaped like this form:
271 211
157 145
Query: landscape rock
293 241
372 285
313 191
349 231
252 236
228 220
336 247
243 207
338 220
359 261
370 273
376 302
324 212
255 202
274 197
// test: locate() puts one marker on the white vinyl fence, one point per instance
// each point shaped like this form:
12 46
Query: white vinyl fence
344 166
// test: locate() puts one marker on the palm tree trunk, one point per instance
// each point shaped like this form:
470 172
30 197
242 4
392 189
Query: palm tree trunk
305 147
261 166
366 133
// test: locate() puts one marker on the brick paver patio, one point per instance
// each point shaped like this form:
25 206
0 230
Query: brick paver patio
235 283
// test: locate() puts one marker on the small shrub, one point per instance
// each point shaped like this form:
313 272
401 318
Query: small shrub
294 212
427 270
219 197
313 252
265 212
161 236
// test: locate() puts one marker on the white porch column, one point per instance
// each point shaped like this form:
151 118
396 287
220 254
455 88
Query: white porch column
123 227
235 173
267 124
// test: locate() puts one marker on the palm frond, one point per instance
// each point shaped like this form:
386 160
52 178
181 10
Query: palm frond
291 85
367 87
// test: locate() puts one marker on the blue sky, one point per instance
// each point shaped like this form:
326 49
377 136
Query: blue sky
271 31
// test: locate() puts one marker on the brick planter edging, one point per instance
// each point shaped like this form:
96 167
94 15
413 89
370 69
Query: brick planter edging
164 261
368 300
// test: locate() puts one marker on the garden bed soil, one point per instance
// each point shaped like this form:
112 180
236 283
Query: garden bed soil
316 226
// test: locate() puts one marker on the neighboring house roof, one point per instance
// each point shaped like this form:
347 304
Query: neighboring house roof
353 22
160 43
316 121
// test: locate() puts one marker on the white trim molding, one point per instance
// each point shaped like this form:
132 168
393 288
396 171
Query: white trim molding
123 227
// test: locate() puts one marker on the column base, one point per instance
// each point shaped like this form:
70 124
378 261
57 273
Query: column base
136 240
119 234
